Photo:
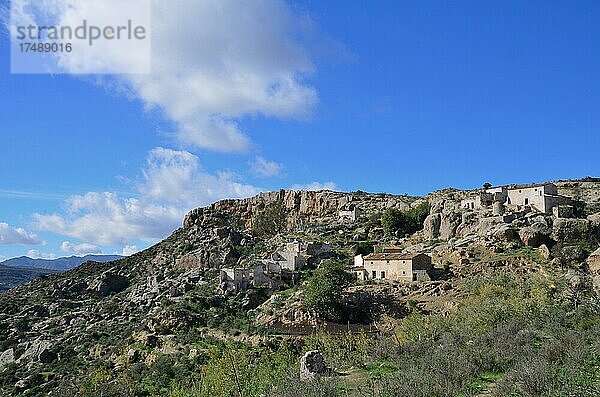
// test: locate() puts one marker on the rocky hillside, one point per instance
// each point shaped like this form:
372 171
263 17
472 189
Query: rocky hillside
58 332
10 277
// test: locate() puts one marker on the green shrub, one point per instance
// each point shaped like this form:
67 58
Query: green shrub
395 221
324 288
270 222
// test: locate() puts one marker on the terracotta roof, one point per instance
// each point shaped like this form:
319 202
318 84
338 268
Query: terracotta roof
386 256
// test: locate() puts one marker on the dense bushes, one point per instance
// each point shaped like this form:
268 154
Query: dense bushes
513 336
399 222
322 292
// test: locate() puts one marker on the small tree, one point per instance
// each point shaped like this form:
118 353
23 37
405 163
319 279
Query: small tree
394 220
270 222
363 248
322 293
487 185
418 215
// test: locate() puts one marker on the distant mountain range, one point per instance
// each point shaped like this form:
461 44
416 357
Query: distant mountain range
12 276
59 264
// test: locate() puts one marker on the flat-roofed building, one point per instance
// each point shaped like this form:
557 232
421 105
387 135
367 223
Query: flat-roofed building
395 266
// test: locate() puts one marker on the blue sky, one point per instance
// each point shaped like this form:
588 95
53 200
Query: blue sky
395 96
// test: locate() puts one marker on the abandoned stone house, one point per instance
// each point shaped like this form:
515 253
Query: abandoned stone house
485 198
540 197
234 279
295 255
292 261
271 275
350 213
394 266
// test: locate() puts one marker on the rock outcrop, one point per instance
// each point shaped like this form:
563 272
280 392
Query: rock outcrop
431 226
312 364
109 283
535 235
300 206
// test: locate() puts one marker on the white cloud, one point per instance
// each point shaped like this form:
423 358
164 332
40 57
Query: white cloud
35 254
177 177
16 235
265 168
2 258
80 249
315 186
106 218
173 182
213 62
129 250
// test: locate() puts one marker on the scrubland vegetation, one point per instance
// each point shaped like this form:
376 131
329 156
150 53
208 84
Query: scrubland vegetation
512 336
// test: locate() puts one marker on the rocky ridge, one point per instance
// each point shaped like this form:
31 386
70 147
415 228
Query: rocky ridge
132 310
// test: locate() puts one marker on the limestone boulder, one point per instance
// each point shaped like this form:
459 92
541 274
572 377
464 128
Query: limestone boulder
570 230
7 357
431 226
535 235
312 364
448 225
593 262
109 283
544 251
506 234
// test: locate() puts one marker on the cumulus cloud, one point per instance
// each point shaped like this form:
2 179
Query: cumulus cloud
129 250
176 176
35 254
172 183
15 235
264 168
80 249
315 186
212 63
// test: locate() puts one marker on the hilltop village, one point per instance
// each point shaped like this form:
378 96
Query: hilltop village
332 282
502 204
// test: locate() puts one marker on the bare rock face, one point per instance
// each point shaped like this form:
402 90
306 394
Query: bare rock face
298 205
535 235
431 226
449 224
109 283
567 229
312 364
7 357
38 349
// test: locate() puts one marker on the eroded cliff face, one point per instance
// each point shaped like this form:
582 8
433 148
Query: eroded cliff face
300 206
586 190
